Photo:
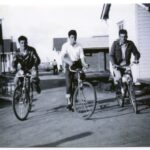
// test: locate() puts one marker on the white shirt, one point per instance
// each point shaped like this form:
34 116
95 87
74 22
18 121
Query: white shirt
123 49
74 52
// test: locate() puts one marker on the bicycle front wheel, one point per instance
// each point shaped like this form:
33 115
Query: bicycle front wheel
84 100
132 97
20 103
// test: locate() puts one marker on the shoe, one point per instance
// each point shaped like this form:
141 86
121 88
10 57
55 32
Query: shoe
69 107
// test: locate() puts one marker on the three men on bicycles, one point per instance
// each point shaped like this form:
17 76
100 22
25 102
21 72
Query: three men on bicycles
120 55
72 55
26 60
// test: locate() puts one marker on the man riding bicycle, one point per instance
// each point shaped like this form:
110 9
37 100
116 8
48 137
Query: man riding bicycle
26 60
120 55
72 55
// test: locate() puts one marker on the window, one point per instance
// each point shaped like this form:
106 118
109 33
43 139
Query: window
120 25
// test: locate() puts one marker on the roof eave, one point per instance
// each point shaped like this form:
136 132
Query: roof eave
145 6
105 11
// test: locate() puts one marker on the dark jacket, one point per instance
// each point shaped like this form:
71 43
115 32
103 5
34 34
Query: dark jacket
27 61
116 53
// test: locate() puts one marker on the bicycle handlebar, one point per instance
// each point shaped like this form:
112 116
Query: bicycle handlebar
78 69
125 67
24 74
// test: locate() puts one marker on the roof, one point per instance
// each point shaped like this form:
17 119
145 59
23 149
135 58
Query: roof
8 45
58 42
147 5
95 42
106 10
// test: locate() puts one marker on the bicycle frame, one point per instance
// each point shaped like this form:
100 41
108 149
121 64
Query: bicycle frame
79 78
26 79
84 97
127 76
22 103
79 81
126 85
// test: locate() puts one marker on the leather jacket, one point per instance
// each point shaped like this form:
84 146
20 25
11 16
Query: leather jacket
27 61
116 52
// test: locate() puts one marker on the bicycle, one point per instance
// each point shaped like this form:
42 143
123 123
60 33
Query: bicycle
23 96
127 87
84 96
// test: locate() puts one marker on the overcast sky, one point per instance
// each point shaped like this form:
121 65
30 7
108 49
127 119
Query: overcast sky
41 23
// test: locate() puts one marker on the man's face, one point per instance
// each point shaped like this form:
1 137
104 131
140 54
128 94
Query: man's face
23 44
123 38
72 39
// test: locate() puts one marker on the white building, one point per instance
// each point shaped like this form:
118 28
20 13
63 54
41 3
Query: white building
6 58
135 18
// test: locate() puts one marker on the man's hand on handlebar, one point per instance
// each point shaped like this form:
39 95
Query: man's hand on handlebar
115 66
86 66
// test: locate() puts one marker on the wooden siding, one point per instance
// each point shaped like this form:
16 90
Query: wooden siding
143 28
125 13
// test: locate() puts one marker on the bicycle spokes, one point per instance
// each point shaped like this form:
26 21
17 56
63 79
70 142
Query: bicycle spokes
132 96
85 100
21 103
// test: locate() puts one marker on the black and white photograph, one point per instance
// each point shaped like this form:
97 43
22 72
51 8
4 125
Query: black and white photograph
74 74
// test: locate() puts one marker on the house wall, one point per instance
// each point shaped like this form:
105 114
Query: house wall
125 13
143 28
93 61
97 61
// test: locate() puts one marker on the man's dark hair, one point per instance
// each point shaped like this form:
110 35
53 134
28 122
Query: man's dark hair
123 31
22 38
72 32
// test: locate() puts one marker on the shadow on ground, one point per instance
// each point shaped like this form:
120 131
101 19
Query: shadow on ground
67 139
110 105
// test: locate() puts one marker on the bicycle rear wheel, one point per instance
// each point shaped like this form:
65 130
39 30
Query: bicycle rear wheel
84 100
20 103
132 97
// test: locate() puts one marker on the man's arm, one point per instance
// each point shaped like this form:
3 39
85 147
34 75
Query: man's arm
82 57
36 58
64 56
84 63
136 53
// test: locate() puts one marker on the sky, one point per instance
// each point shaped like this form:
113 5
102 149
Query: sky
42 22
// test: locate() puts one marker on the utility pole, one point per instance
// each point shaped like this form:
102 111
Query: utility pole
2 46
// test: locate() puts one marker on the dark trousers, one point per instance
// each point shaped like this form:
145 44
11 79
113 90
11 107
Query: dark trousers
71 76
69 81
55 70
